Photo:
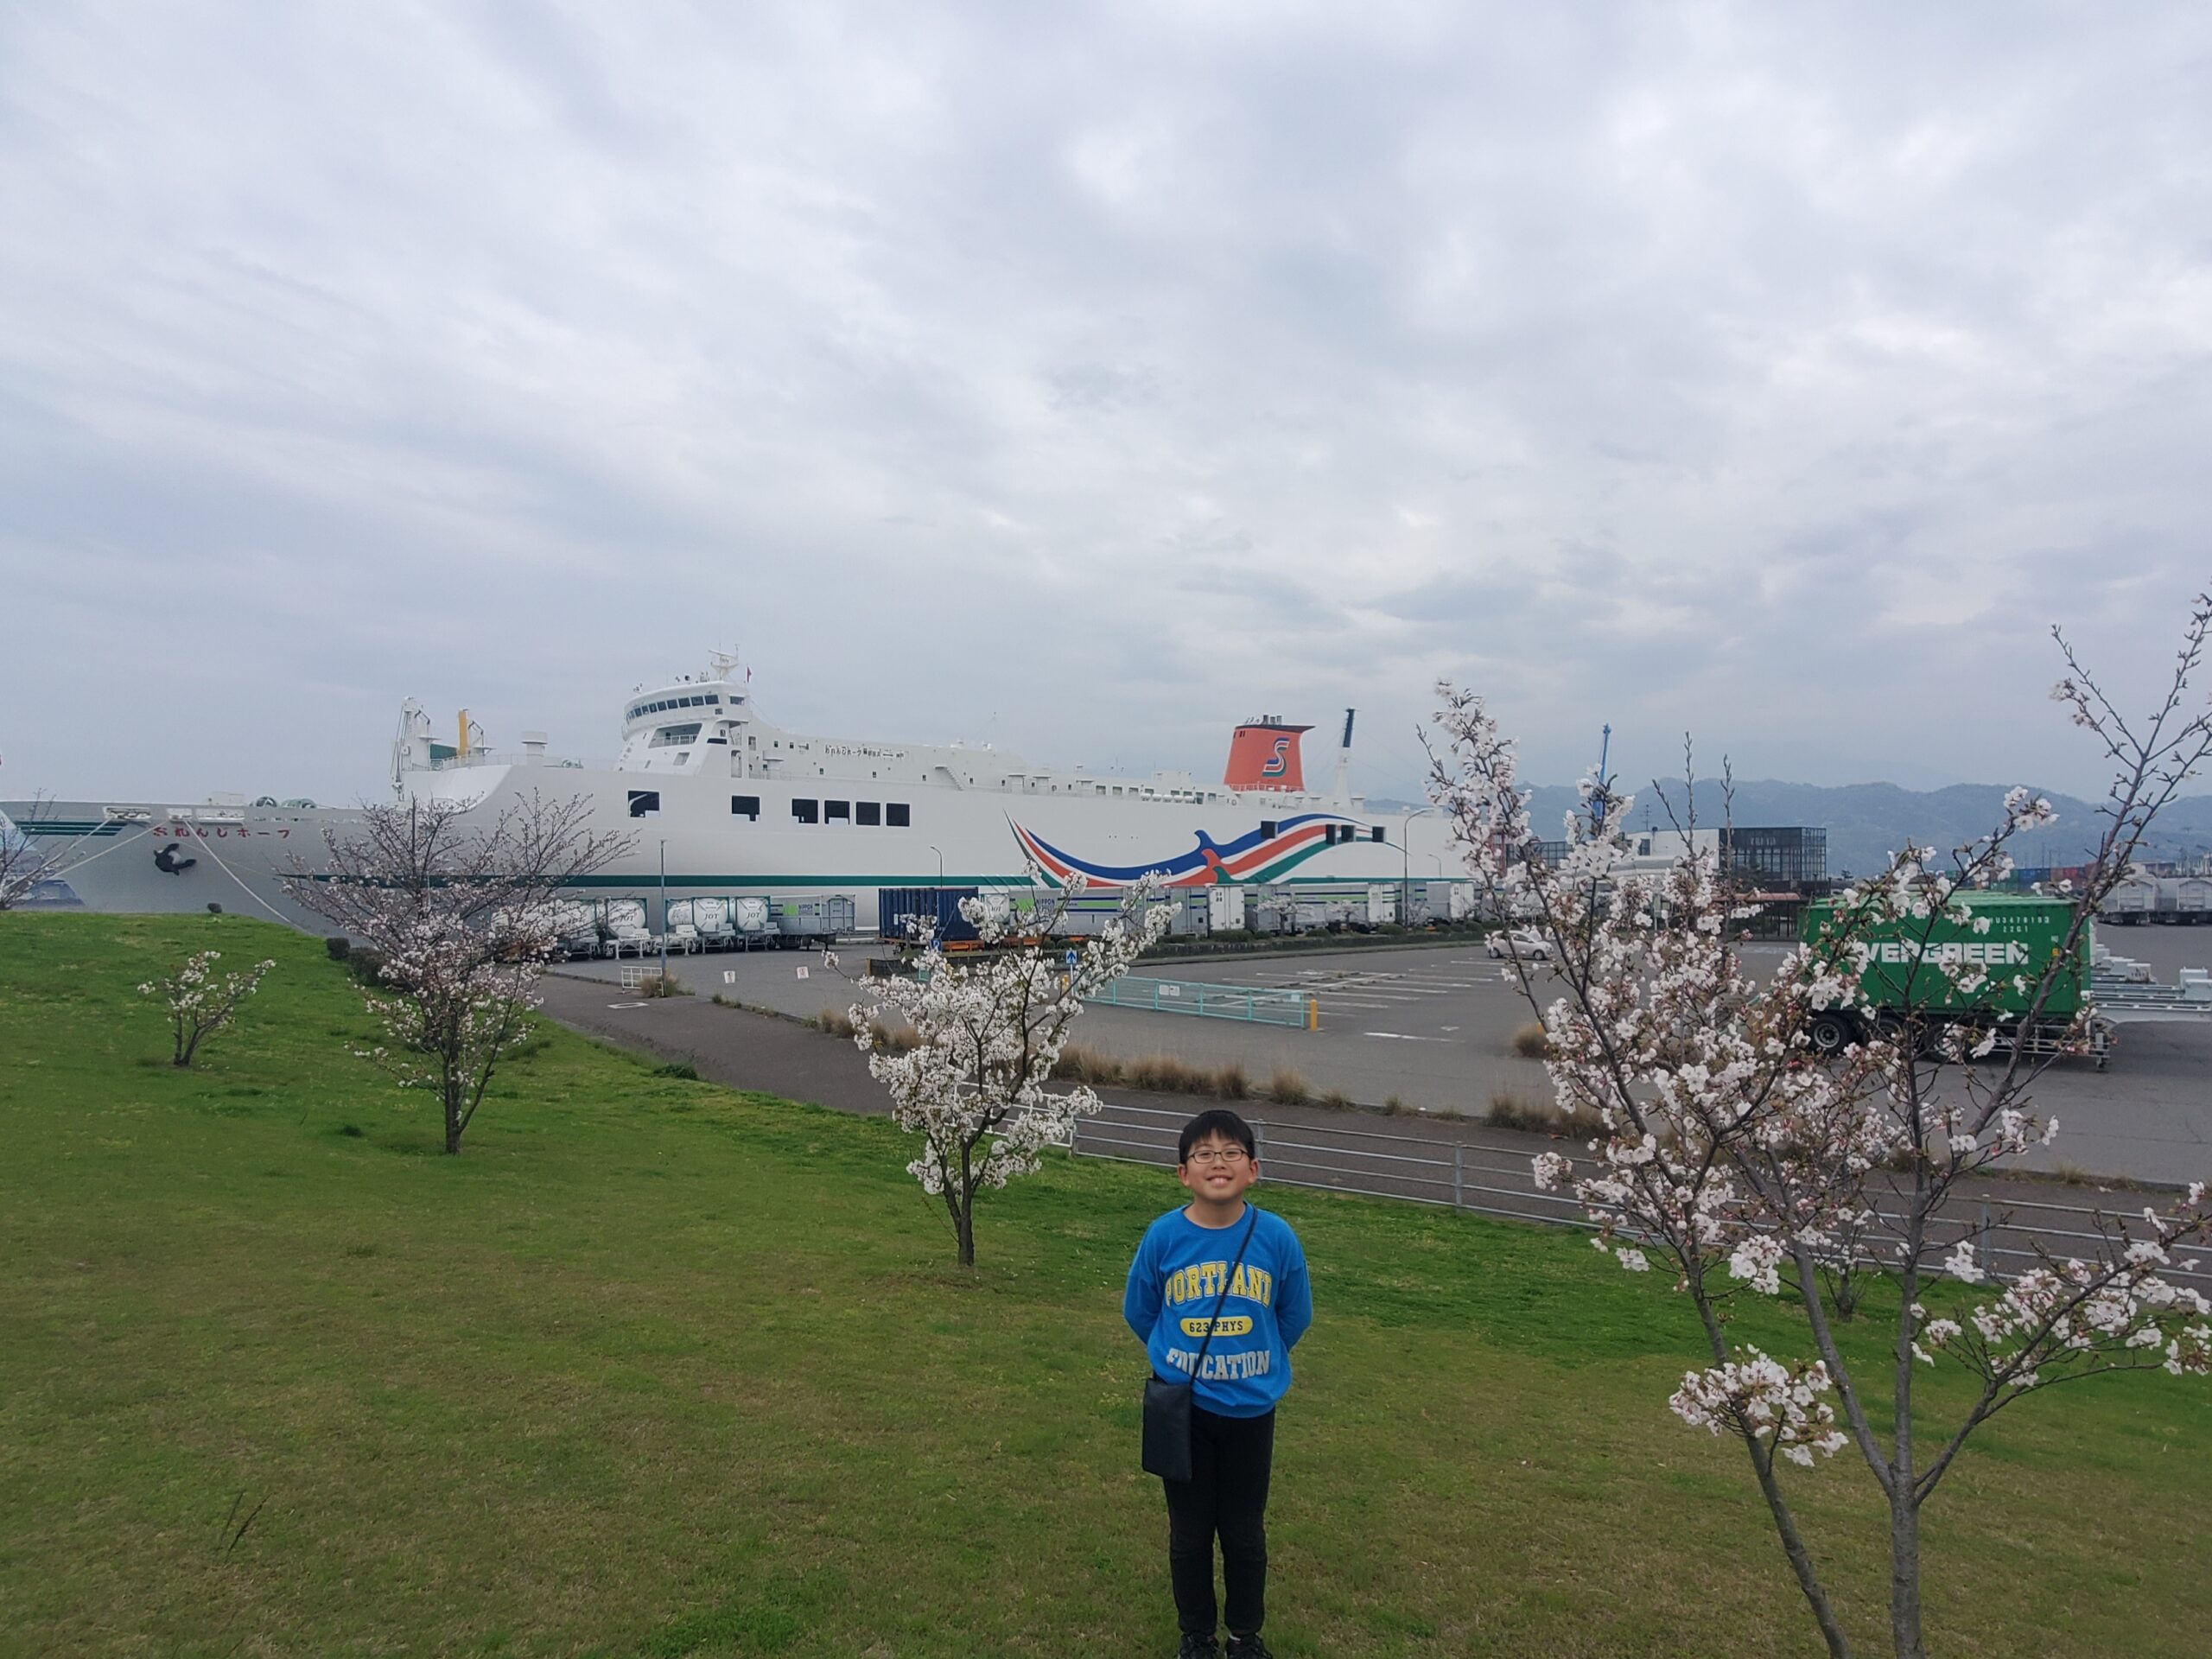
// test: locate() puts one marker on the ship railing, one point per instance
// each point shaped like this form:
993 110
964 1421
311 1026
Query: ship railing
519 757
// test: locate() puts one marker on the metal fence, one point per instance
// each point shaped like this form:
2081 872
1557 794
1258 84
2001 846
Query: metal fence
1257 1003
1489 1178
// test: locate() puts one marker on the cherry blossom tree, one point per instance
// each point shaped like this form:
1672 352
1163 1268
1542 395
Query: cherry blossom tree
1728 1149
989 1028
461 912
199 1002
22 865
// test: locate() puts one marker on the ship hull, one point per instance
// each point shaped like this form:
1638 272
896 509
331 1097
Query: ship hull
109 853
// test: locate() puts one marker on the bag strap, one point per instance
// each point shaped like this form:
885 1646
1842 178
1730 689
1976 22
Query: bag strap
1229 1278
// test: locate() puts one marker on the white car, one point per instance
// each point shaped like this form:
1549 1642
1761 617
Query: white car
1521 942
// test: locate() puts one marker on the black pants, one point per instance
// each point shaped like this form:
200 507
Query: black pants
1227 1494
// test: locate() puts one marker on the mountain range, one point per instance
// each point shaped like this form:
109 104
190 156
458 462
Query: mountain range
1865 822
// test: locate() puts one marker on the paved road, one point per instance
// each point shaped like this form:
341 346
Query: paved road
1422 1159
1433 1028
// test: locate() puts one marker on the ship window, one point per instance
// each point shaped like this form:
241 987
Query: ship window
867 812
1267 830
804 810
895 814
644 803
1376 834
669 737
835 810
745 806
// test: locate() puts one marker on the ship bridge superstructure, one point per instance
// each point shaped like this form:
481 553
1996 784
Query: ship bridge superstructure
707 726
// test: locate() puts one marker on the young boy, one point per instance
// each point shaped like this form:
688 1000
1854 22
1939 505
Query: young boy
1175 1282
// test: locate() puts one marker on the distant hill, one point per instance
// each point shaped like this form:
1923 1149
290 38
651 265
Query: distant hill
1865 822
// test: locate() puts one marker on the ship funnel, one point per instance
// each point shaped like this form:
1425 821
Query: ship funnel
1263 754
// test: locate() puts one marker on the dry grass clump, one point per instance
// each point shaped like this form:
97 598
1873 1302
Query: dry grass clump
833 1022
1336 1098
1080 1062
1510 1111
1531 1043
1168 1075
893 1040
1286 1087
660 985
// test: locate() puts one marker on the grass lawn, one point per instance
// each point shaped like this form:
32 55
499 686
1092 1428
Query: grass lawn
654 1368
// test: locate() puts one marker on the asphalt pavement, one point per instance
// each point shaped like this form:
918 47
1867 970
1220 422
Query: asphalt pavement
1412 1156
1432 1028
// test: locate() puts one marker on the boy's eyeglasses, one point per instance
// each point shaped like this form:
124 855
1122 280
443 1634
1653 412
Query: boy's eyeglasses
1216 1155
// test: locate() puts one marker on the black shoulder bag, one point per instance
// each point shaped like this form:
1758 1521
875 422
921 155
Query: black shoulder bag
1167 1405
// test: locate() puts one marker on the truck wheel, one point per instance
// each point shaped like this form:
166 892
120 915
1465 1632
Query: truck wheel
1893 1031
1829 1032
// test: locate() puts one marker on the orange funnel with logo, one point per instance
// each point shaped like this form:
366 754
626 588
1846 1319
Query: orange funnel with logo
1263 754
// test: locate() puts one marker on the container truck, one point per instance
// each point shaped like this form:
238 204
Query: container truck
904 914
2134 900
1225 908
1905 987
815 920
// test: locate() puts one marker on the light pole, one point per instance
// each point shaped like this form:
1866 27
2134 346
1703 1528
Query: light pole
1405 860
664 915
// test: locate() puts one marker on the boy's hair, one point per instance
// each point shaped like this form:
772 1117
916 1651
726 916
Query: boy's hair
1219 1121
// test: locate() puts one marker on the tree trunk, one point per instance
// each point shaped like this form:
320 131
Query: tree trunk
963 1221
1904 1497
1905 1573
451 1093
1801 1559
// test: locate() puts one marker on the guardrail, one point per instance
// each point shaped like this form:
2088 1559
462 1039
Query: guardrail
1259 1004
1487 1179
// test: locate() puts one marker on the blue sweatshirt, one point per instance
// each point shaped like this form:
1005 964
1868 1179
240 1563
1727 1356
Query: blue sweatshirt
1174 1283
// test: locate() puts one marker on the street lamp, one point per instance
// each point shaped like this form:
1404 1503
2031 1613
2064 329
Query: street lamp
664 915
1405 859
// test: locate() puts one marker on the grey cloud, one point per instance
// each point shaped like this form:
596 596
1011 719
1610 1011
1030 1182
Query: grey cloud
1777 374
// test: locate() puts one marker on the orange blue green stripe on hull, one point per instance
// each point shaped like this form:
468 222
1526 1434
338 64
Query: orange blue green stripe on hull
1254 857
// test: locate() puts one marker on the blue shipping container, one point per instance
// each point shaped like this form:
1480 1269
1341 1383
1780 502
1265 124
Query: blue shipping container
935 908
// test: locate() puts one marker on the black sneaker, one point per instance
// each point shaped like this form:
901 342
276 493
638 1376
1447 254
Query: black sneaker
1247 1647
1198 1647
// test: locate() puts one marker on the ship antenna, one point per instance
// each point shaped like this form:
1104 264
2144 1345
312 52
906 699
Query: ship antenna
1343 755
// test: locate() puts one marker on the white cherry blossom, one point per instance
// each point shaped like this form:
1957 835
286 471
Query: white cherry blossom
989 1028
199 1002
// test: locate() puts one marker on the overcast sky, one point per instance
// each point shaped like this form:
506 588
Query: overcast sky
1086 378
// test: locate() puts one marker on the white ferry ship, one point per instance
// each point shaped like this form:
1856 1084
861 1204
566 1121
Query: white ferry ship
731 806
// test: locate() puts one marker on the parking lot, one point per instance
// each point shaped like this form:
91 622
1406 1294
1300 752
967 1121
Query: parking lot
1431 1027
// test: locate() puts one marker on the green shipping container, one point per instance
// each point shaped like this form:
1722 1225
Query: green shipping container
2024 936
